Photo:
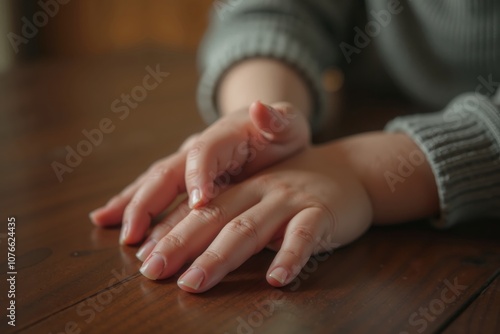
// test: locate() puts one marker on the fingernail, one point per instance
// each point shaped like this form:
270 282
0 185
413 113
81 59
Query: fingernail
124 233
145 249
153 266
194 198
92 214
267 135
192 278
279 274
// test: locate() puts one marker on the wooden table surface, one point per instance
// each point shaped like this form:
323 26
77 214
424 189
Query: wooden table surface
75 278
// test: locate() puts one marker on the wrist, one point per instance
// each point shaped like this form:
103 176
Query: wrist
264 79
394 172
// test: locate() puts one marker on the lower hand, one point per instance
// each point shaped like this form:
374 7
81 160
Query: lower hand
308 204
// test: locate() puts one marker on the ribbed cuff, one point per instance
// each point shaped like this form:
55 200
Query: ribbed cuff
275 44
462 146
496 98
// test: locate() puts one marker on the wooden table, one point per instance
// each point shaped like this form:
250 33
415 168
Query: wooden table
75 278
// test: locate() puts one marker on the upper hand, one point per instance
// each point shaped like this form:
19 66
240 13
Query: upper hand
240 144
236 146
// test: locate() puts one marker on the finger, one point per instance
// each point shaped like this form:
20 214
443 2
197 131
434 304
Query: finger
201 171
192 236
277 123
112 212
302 236
278 131
216 151
244 236
160 187
162 229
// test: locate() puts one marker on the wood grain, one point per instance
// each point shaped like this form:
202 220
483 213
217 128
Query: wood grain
75 278
482 316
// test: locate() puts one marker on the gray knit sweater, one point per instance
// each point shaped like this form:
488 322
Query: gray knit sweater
443 53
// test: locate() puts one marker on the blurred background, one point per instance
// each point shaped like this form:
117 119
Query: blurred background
81 28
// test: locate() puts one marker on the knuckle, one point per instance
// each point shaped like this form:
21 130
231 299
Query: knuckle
264 181
332 218
284 190
192 174
304 234
290 252
210 213
174 240
196 148
305 200
273 185
243 226
215 256
135 204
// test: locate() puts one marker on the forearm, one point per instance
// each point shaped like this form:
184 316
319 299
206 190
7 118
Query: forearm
266 80
394 171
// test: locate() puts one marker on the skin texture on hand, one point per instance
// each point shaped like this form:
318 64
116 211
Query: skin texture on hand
235 147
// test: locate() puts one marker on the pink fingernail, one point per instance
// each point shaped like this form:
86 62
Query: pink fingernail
279 274
194 198
153 266
92 214
124 233
145 249
192 278
267 135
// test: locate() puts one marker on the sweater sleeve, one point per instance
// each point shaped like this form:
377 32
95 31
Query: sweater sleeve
301 33
462 146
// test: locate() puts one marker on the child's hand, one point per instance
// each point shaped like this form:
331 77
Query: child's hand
312 202
236 146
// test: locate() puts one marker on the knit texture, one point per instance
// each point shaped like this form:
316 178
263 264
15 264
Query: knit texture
462 145
291 31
